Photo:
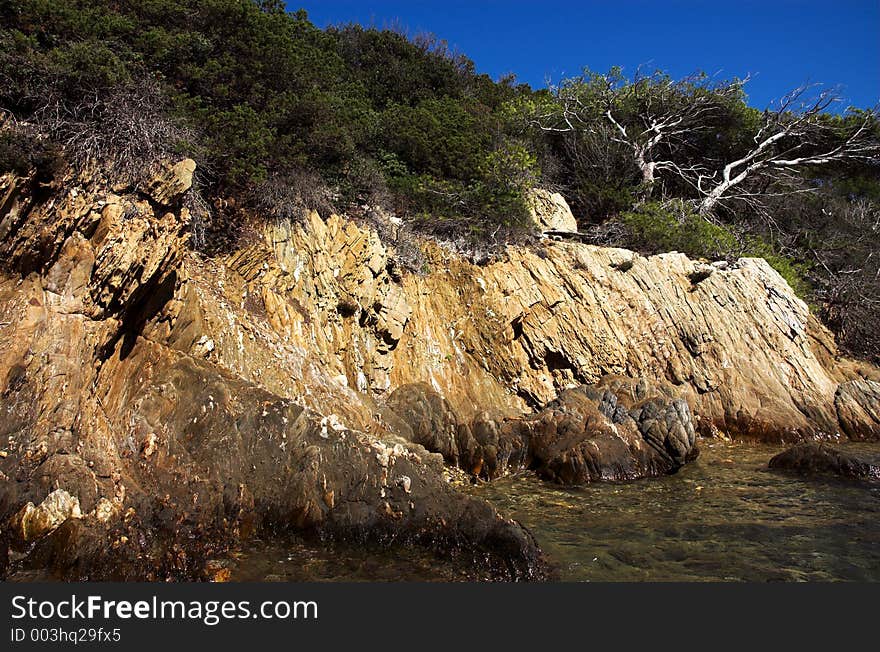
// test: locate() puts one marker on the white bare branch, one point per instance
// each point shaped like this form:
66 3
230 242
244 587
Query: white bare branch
653 116
792 137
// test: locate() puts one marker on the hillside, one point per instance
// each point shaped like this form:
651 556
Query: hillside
259 278
282 116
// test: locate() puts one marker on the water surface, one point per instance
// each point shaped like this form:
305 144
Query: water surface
722 517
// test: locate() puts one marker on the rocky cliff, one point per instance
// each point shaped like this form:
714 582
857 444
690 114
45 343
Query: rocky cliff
158 405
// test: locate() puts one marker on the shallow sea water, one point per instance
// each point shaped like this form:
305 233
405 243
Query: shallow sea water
723 517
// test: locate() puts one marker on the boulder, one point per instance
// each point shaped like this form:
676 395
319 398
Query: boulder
812 458
621 429
426 418
590 434
167 187
550 211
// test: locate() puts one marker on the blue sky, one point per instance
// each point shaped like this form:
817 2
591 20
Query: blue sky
782 43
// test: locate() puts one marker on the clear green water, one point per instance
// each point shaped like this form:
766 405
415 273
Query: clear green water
723 517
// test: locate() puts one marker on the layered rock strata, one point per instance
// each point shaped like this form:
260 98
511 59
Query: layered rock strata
304 380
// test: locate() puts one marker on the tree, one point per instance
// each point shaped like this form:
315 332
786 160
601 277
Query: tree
797 135
667 125
655 117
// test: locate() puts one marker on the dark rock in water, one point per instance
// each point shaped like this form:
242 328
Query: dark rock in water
620 429
485 446
820 459
595 433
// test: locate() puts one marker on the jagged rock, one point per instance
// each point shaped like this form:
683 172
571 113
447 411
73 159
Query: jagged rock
393 314
31 522
507 337
168 186
820 459
550 211
220 433
485 446
190 454
669 428
590 434
180 399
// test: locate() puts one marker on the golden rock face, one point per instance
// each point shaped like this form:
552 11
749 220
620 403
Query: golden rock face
34 522
145 379
737 344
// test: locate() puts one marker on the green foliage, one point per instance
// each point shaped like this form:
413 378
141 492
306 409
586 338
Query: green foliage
409 71
659 226
674 226
260 92
442 136
511 168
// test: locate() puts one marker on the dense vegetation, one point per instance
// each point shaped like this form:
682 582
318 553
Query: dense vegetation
262 97
282 115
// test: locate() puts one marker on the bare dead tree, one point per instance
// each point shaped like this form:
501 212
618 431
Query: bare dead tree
657 118
793 136
666 112
652 116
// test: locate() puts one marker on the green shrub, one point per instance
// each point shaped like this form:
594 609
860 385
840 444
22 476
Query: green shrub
655 227
668 226
258 94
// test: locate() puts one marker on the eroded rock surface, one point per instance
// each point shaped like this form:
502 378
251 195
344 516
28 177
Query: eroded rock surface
858 408
301 381
737 345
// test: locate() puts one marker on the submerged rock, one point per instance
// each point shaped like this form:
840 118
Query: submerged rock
821 459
